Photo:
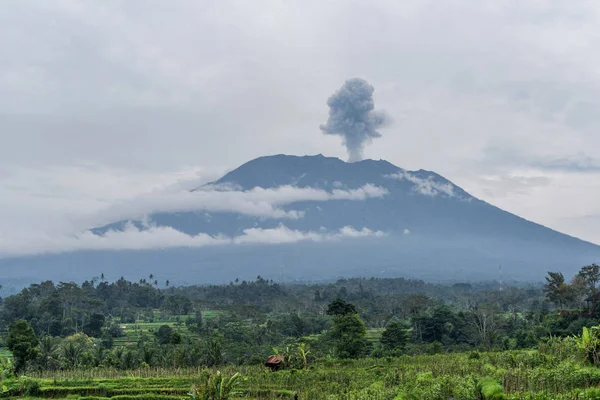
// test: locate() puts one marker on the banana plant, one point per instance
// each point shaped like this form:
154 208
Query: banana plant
303 353
589 343
217 387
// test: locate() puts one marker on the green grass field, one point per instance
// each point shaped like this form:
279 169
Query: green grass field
495 375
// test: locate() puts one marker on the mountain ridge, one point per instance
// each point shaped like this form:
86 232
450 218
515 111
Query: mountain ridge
433 229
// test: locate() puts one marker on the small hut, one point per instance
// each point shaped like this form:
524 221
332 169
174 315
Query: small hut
274 362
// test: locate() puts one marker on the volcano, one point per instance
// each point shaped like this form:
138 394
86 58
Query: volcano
427 227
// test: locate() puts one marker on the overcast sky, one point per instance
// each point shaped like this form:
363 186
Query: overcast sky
106 101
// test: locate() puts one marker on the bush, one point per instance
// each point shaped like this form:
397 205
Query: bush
31 387
7 369
491 389
115 331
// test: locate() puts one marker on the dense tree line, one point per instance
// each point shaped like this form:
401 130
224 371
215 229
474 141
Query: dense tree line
65 325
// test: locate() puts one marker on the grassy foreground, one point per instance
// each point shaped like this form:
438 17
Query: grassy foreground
493 375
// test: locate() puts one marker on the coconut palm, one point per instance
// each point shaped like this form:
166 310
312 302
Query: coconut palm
48 351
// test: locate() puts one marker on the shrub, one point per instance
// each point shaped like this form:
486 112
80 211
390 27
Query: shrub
490 389
31 387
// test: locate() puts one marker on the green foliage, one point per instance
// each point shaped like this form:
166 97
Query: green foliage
349 333
175 338
213 351
94 325
458 376
491 389
164 333
589 343
31 387
195 323
216 387
6 369
394 337
556 289
132 326
22 342
340 307
303 353
591 275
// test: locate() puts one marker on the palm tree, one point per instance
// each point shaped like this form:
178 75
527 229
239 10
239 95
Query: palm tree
213 352
98 355
48 347
72 352
128 361
148 355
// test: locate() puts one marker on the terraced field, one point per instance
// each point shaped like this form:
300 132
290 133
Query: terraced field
155 384
508 375
373 335
134 331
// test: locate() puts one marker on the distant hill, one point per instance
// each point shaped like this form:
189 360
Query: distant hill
433 229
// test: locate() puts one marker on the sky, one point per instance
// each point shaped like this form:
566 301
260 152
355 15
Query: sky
109 102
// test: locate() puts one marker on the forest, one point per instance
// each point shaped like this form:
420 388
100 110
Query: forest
352 338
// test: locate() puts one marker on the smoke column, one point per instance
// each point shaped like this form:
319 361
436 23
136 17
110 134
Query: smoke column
352 116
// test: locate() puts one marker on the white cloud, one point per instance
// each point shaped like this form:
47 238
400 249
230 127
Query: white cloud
348 231
257 202
62 199
425 186
132 238
406 231
143 88
49 206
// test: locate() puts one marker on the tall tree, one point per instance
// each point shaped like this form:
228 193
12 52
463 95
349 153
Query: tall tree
22 342
591 274
556 289
394 336
94 325
349 332
340 307
487 324
164 333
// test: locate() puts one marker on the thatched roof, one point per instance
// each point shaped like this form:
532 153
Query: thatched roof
274 360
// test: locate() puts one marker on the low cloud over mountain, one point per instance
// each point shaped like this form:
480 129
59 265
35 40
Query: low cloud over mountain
320 217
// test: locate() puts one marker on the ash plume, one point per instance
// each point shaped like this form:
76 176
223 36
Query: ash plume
352 116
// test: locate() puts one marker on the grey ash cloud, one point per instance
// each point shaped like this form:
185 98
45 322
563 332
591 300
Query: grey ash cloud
352 116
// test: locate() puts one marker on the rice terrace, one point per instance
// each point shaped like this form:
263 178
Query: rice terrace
193 342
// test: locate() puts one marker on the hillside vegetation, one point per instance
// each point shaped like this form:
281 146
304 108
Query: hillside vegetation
353 338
